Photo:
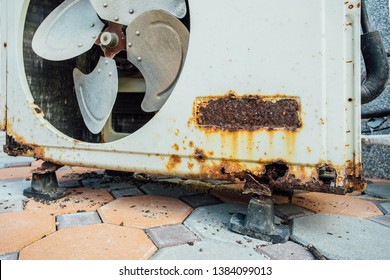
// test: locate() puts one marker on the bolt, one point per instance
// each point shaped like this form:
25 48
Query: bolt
116 18
106 62
105 5
129 44
80 45
110 74
137 33
131 11
99 70
92 25
139 58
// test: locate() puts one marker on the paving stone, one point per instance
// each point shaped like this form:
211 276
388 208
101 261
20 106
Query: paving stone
341 237
13 190
280 199
69 184
286 251
21 173
10 162
167 236
212 222
93 242
166 190
383 220
344 205
231 197
79 199
200 200
18 229
126 192
207 250
378 190
385 207
9 257
290 211
108 183
11 205
145 211
77 220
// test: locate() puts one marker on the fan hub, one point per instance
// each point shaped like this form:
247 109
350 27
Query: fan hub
112 40
109 39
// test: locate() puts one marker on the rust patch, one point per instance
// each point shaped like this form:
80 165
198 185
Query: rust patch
15 148
173 162
200 155
250 112
175 147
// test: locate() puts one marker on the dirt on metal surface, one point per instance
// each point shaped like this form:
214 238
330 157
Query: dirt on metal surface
249 112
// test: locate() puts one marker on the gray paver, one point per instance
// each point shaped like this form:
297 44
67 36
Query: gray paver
212 222
291 211
383 220
207 250
69 184
196 201
126 192
77 219
106 183
7 257
168 236
12 205
9 162
378 190
286 251
385 207
342 237
165 190
13 190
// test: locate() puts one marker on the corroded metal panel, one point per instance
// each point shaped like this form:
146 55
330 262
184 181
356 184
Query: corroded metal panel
300 63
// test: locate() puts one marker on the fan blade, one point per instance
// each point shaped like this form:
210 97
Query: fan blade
68 31
96 93
157 45
125 11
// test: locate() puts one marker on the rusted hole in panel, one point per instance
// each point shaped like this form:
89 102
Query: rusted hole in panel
276 170
327 174
250 112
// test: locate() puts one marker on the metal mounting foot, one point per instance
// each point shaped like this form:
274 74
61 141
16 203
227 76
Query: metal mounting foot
44 184
259 222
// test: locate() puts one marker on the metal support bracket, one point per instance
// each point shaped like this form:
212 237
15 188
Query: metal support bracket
259 222
44 184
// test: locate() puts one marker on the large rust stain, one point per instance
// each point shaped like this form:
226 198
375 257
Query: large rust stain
248 112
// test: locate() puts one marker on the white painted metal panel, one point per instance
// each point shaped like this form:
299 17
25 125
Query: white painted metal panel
306 49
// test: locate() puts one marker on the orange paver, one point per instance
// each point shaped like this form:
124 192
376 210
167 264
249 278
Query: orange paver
94 242
18 229
232 196
145 211
78 199
14 173
325 203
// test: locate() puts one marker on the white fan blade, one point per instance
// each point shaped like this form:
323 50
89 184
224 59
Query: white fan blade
125 11
96 93
70 30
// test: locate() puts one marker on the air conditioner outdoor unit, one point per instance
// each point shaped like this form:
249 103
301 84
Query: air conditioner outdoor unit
253 89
